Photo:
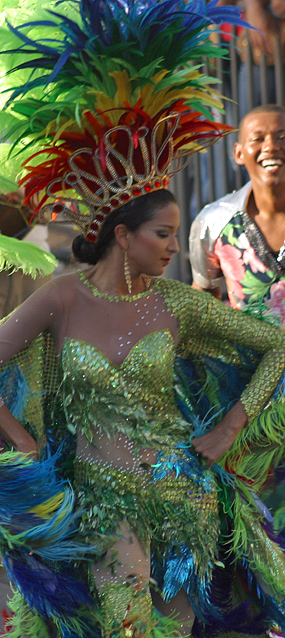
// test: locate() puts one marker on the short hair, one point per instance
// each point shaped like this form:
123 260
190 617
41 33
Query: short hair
263 108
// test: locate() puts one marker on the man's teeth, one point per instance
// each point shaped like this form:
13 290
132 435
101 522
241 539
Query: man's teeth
269 163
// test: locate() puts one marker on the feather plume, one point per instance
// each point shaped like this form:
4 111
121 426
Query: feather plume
25 256
126 63
47 592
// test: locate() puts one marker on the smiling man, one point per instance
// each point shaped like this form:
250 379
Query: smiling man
241 237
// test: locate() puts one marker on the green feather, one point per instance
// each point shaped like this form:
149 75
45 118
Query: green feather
24 622
25 256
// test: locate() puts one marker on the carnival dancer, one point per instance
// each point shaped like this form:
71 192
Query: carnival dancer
166 407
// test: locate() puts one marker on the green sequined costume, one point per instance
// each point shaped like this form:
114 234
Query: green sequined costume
167 389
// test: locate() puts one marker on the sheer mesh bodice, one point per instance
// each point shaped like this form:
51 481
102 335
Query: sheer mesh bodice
114 328
195 324
69 309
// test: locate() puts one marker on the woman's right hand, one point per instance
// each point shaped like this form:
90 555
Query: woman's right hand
215 443
28 446
15 434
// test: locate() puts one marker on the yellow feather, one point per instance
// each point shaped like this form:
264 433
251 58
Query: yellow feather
155 100
65 123
104 103
124 86
70 123
192 147
47 508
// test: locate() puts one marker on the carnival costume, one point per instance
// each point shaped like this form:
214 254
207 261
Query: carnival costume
177 509
115 115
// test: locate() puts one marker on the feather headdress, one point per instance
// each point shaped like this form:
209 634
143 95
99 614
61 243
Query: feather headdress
123 96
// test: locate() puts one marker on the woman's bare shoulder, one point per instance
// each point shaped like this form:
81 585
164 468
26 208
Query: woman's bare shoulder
66 285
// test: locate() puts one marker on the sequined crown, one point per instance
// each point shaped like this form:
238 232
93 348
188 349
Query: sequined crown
130 162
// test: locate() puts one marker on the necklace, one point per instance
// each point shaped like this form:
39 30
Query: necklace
147 310
105 295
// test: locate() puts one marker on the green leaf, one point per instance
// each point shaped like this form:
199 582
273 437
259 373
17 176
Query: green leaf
254 287
229 232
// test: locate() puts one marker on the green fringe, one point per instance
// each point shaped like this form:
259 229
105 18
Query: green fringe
265 557
24 622
279 518
155 512
165 627
25 256
259 446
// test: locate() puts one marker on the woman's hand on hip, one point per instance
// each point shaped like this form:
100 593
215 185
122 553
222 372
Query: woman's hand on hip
215 443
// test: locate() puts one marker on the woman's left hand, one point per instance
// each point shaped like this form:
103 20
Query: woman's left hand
215 443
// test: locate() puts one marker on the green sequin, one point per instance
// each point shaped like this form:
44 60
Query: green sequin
136 398
171 511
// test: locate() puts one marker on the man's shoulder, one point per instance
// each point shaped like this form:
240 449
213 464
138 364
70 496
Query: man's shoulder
226 206
210 222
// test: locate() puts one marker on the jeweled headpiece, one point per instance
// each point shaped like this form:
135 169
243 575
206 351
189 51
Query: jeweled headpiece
123 102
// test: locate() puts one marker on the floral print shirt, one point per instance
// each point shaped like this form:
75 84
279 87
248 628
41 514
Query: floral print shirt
225 244
248 278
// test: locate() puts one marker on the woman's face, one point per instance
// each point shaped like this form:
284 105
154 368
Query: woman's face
151 247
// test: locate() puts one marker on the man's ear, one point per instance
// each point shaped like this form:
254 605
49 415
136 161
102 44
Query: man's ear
238 154
121 233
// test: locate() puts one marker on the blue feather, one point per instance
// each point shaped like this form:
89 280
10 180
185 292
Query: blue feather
23 485
14 390
179 570
26 40
63 58
107 25
47 592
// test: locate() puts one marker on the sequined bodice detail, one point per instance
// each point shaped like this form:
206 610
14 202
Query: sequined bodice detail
135 397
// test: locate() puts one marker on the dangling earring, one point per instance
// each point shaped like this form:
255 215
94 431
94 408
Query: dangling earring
127 273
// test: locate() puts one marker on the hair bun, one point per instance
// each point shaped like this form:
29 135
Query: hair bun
83 250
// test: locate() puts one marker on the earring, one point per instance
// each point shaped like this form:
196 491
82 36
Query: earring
127 273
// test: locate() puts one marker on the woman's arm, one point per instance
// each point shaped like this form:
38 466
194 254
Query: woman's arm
230 328
214 444
36 314
233 327
15 434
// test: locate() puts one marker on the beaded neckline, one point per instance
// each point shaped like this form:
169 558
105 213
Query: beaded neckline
105 295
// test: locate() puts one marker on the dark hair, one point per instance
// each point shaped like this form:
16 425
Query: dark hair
133 214
263 108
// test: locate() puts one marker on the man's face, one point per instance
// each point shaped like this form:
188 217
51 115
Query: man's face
261 148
